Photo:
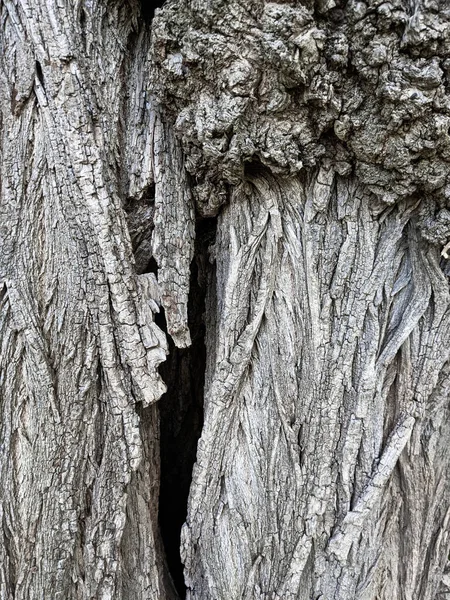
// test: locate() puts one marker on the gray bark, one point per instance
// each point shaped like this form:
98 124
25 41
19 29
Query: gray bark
316 136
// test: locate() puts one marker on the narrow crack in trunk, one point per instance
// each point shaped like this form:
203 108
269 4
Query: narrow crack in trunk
181 408
148 8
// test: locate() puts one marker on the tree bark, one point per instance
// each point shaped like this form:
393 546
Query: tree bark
305 144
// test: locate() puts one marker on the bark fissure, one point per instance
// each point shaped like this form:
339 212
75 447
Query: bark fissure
181 407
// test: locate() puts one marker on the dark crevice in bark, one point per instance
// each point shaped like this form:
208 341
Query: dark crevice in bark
253 167
181 408
148 8
82 18
99 422
39 73
140 212
82 22
85 514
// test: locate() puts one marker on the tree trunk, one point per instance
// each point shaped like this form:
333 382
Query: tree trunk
267 183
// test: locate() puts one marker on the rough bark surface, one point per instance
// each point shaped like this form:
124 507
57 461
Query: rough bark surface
79 470
316 135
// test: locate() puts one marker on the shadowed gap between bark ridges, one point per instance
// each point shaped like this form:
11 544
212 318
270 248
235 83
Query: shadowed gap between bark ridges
181 408
148 8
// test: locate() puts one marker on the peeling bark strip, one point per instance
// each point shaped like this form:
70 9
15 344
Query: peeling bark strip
316 133
173 240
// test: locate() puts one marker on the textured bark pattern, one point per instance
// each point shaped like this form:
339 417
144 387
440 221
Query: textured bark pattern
330 347
361 84
79 474
316 132
322 465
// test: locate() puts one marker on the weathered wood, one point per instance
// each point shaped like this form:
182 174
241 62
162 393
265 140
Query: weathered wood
316 134
321 467
79 471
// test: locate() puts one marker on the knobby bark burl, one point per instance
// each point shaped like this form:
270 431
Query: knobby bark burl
316 135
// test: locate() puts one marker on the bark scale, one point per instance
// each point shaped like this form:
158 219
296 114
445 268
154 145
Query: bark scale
315 134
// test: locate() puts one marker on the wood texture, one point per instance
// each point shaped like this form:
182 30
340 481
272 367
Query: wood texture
80 350
316 135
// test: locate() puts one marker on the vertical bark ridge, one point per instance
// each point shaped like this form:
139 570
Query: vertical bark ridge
174 233
297 478
79 467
